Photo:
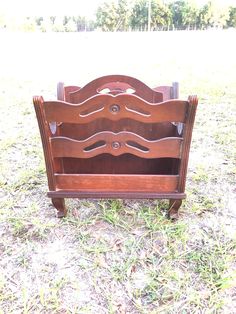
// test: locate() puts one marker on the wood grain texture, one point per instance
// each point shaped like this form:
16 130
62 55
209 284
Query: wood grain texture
114 183
116 108
60 91
123 164
44 132
116 144
59 204
173 211
187 136
114 195
116 84
150 131
116 138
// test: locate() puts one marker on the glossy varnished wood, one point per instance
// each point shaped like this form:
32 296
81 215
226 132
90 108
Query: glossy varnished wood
44 132
150 131
123 164
112 84
59 204
116 138
116 108
117 84
187 135
173 211
116 144
114 195
114 182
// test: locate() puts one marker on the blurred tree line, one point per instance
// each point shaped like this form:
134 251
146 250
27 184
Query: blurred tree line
124 15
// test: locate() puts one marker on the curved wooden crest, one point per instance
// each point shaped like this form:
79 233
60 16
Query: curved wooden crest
112 84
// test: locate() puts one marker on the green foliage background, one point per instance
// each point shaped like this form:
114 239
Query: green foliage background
124 15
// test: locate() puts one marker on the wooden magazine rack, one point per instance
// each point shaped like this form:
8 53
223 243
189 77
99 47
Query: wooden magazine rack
116 138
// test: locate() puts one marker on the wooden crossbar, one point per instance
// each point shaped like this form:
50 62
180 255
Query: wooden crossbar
116 108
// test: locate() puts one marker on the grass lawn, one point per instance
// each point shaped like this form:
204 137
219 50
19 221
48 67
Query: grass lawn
118 256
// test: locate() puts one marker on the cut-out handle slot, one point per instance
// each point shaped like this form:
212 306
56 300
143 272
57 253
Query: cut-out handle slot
90 111
116 144
138 110
98 144
116 88
137 146
104 91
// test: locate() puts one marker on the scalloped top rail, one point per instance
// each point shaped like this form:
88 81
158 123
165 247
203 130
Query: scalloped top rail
115 108
112 84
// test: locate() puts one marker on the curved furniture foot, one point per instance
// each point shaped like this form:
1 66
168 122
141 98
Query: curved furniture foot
173 211
59 204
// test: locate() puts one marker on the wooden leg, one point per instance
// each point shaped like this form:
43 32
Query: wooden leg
173 211
59 204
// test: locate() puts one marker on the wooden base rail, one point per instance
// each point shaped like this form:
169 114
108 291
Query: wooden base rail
113 195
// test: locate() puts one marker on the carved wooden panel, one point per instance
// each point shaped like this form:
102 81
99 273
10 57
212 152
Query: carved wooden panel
116 108
116 144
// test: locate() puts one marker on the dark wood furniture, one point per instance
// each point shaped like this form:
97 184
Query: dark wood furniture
116 138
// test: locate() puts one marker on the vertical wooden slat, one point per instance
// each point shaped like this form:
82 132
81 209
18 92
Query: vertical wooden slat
175 90
44 131
187 136
60 91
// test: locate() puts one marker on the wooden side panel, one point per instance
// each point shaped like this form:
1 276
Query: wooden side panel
44 132
169 92
116 144
115 108
165 90
187 136
128 183
68 90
